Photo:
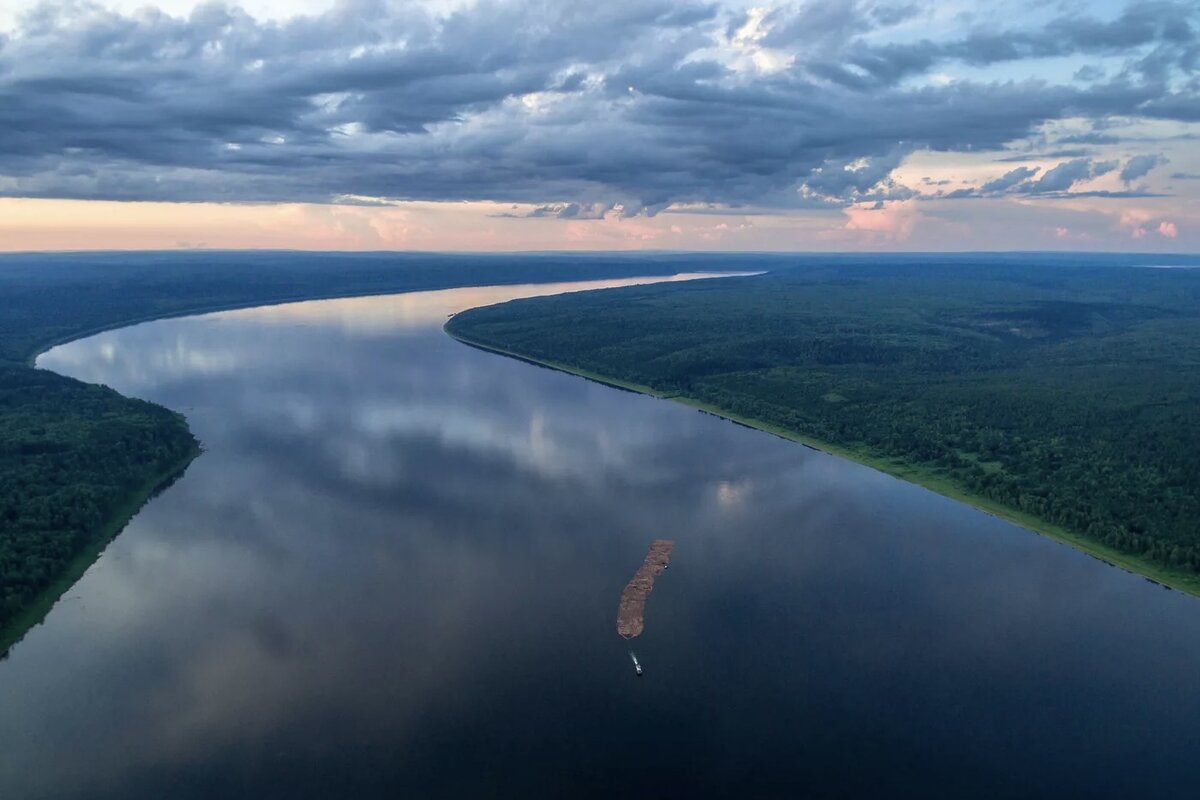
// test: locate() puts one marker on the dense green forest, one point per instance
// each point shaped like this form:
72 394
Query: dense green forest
75 459
71 456
1063 395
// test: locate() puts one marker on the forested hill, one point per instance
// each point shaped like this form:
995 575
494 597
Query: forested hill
76 459
1064 395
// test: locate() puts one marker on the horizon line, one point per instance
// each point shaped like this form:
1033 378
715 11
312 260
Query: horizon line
622 253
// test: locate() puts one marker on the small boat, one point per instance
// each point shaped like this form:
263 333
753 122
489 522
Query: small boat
636 666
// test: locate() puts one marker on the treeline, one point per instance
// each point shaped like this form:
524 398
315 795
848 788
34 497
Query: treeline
71 455
1069 393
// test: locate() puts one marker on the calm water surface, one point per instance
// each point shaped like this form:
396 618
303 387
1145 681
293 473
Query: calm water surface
394 573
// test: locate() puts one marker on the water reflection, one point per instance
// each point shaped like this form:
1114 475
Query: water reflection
395 572
422 309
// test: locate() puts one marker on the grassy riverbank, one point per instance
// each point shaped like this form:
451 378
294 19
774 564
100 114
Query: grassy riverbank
1065 400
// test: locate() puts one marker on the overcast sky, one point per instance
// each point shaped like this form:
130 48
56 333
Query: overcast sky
666 124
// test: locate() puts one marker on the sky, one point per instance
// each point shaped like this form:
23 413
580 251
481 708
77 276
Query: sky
557 125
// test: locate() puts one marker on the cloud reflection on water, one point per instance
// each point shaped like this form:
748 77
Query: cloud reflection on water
395 571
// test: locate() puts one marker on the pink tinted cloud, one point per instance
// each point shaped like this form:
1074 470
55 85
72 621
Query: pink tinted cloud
1168 229
894 221
1135 220
1066 234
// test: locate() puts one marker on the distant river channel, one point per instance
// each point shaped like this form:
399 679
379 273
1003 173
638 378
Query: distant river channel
394 573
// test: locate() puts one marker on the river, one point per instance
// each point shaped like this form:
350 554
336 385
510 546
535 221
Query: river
394 572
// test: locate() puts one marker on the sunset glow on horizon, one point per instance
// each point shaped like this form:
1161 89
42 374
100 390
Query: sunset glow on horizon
31 225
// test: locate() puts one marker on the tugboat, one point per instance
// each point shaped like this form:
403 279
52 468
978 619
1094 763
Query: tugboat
636 666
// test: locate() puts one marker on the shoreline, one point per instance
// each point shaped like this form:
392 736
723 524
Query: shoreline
238 305
37 610
40 606
1150 571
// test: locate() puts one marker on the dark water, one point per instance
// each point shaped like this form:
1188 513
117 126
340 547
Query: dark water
395 572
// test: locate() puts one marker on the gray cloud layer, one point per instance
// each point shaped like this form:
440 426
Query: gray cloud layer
573 106
1139 166
1059 180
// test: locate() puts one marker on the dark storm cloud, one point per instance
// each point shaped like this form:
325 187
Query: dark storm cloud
572 107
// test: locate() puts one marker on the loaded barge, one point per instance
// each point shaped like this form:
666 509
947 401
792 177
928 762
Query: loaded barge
632 609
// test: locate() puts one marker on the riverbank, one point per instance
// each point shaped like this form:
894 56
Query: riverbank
21 362
939 484
32 614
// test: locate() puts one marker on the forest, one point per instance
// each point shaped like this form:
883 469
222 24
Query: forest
71 456
74 456
1060 391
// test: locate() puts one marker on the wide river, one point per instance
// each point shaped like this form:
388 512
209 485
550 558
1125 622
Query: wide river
394 572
